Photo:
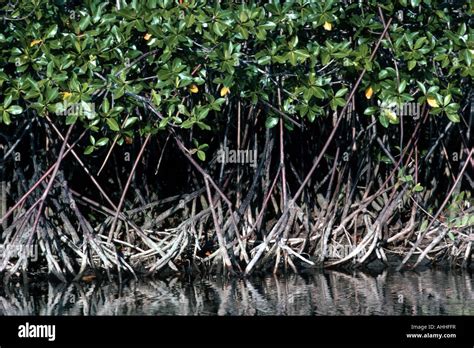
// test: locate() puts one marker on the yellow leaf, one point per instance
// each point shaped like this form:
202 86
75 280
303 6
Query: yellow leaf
369 92
66 95
35 42
432 102
392 116
327 26
147 36
224 91
193 88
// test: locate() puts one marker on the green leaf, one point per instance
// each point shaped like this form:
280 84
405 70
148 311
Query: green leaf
201 155
15 109
293 42
433 90
318 92
113 125
280 59
341 92
119 92
418 188
7 101
218 28
411 65
467 57
307 94
130 121
243 17
339 101
156 98
188 123
271 122
325 58
49 69
471 220
302 55
370 110
451 236
447 99
386 160
89 149
51 94
453 117
383 74
402 86
105 105
464 221
6 118
452 108
291 56
421 86
102 142
71 119
203 126
51 31
383 120
419 42
268 26
263 60
424 225
202 113
84 22
163 123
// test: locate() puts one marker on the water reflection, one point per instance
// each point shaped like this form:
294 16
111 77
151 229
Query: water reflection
329 293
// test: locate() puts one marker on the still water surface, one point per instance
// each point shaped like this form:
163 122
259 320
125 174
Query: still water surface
431 292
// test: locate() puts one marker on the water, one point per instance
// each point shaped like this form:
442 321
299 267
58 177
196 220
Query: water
431 292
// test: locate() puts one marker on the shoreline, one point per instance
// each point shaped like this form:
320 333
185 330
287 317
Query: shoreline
372 268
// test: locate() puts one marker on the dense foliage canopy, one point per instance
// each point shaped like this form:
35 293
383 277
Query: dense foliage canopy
186 57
